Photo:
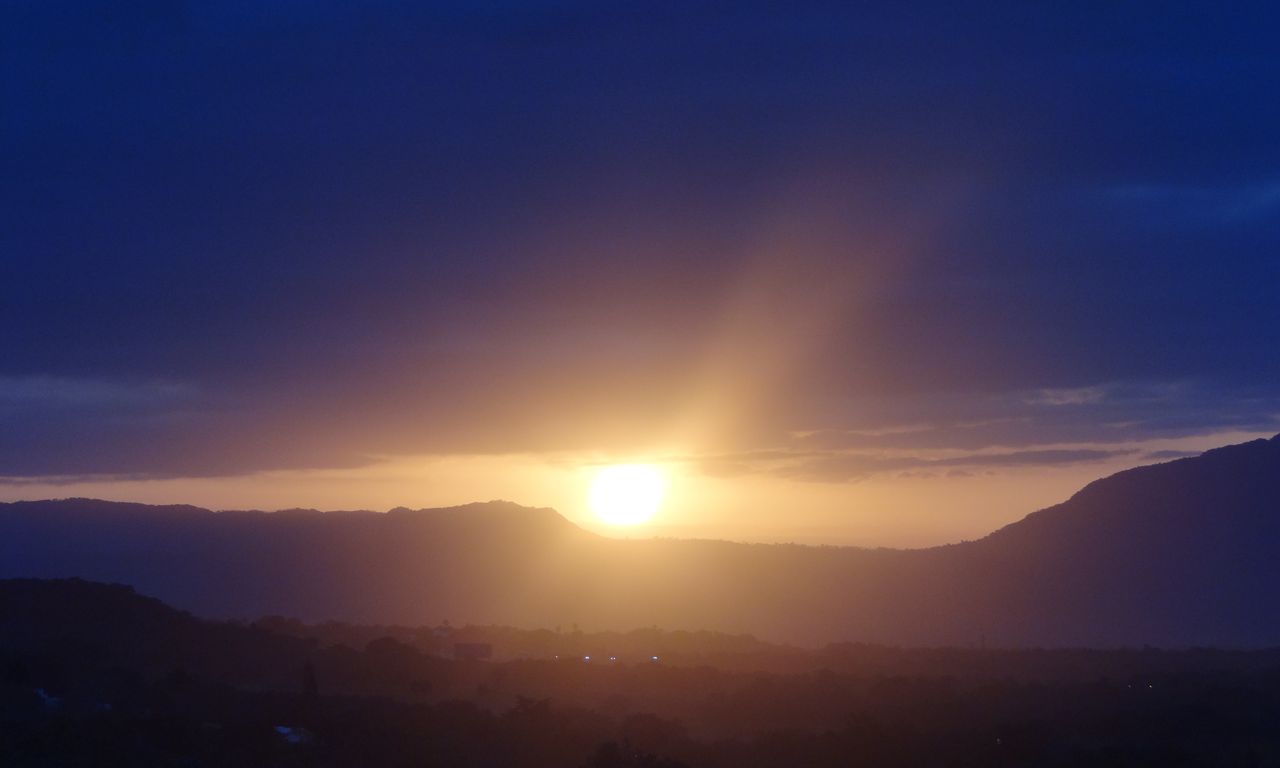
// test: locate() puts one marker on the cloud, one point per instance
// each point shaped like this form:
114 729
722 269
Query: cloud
1170 454
1176 204
64 430
1076 396
395 228
1116 412
62 392
850 467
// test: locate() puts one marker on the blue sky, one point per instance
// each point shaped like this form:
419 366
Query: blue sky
298 235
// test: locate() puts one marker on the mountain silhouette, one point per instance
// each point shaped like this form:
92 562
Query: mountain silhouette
84 628
1176 554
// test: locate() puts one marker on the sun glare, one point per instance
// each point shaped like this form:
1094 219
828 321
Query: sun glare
627 494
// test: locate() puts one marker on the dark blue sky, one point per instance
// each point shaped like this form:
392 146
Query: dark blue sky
292 235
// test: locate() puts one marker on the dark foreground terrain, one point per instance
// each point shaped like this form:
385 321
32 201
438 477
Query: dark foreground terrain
94 675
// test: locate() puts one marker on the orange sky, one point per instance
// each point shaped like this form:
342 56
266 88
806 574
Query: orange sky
904 509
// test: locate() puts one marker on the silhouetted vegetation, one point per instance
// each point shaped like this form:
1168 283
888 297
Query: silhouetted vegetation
98 675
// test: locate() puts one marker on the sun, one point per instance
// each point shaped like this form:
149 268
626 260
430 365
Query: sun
627 494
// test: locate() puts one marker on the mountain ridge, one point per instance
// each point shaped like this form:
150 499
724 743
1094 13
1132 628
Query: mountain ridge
1138 557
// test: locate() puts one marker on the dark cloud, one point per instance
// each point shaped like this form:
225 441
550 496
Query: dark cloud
848 467
250 236
1104 413
1166 455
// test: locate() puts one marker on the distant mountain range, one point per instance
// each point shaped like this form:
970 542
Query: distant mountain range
1177 554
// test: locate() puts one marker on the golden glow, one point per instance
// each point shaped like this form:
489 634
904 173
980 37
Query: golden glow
627 494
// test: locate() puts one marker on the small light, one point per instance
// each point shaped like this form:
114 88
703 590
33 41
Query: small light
586 658
653 658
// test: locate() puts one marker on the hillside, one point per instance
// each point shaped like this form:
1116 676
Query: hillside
1142 557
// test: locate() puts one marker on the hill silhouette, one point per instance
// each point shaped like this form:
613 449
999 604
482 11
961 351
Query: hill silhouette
82 628
1175 554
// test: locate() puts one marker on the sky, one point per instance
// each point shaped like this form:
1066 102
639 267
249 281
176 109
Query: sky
852 274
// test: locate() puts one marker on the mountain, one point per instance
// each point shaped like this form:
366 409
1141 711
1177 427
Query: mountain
364 566
1175 554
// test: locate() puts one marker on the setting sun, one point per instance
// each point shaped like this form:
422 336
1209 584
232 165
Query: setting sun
627 494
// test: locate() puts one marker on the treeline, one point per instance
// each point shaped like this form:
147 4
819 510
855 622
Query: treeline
182 720
746 653
686 648
91 674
